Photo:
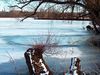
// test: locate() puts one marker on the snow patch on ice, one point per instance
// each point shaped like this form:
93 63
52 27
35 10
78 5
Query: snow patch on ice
67 53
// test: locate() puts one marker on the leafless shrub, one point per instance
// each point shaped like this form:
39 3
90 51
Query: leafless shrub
12 61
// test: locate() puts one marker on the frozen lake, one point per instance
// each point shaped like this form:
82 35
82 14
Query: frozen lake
16 37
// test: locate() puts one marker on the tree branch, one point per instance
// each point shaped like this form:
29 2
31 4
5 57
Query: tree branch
63 2
64 10
33 12
15 6
50 7
85 14
72 3
25 4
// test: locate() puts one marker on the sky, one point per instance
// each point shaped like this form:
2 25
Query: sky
4 4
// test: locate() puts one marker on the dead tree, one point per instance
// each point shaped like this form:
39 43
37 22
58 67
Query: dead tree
27 58
33 57
89 7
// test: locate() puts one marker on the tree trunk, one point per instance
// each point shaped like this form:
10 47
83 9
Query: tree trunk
96 29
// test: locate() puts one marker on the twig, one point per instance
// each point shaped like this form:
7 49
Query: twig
13 61
50 7
64 10
34 11
25 4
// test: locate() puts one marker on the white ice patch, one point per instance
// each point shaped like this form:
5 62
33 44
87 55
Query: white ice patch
6 57
67 53
13 26
2 41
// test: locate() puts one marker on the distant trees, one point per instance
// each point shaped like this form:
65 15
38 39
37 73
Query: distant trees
86 7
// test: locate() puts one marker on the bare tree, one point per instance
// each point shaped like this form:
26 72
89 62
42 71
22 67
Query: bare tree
89 7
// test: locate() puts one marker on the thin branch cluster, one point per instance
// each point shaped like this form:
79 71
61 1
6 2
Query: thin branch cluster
67 3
